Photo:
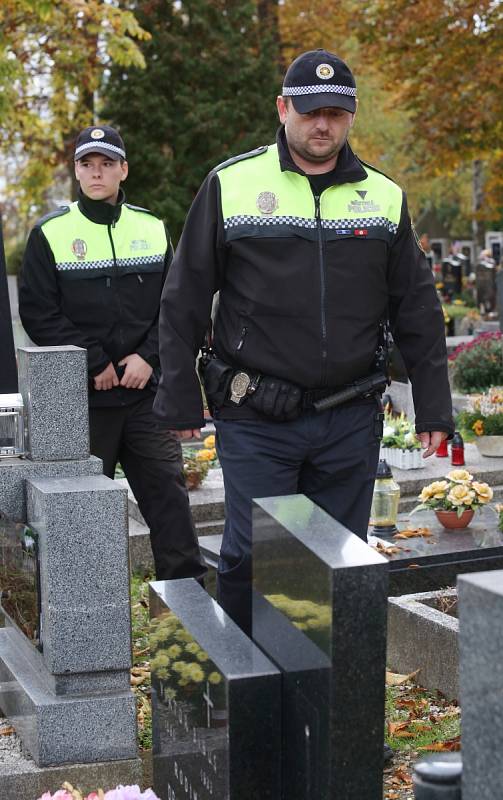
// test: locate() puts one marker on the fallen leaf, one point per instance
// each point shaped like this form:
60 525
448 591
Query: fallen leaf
405 703
413 566
136 680
412 533
395 679
387 551
394 727
421 726
7 731
450 745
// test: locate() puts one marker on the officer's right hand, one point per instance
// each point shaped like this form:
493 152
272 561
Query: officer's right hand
106 379
190 433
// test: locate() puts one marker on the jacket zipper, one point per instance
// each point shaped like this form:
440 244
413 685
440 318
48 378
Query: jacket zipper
321 259
116 275
241 342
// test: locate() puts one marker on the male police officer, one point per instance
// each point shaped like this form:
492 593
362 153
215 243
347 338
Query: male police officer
311 251
92 276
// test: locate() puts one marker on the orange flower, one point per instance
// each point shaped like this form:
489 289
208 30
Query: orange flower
478 427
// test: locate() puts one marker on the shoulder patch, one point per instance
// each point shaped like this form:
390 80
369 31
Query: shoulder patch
234 160
59 212
139 208
371 166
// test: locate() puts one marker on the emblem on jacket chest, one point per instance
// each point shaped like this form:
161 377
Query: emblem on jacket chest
79 248
267 202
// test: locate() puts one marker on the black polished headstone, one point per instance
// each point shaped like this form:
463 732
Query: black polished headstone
8 368
485 281
215 702
19 577
319 612
451 276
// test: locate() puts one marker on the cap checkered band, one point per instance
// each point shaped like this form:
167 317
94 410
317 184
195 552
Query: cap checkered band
303 222
95 145
319 88
108 263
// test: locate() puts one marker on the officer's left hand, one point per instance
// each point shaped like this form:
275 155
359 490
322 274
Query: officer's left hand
430 441
137 373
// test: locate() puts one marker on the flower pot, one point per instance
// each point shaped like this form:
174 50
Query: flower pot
403 459
490 445
450 519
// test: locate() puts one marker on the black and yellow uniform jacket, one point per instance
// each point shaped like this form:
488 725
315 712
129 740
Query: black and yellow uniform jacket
92 276
303 282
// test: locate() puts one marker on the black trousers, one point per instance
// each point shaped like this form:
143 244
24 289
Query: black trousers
152 462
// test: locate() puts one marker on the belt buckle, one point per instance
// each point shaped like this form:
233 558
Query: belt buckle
239 387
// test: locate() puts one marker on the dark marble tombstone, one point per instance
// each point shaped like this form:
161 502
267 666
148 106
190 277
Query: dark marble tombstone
486 286
19 578
319 612
215 702
8 369
451 276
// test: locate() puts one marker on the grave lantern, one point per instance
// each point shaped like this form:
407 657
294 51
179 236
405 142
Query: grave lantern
384 511
11 425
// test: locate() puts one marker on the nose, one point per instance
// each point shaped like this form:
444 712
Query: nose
96 170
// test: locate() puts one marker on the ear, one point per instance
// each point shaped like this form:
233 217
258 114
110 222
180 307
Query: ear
125 170
354 113
282 107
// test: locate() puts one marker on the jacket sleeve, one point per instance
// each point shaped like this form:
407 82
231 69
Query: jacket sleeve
194 277
148 349
417 324
40 305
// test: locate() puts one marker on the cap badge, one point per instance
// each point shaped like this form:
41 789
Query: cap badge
79 248
325 71
97 133
267 202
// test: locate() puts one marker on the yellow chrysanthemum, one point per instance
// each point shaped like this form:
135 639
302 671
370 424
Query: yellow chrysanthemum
461 495
160 660
205 455
484 492
214 678
209 442
202 656
478 427
459 476
174 651
192 647
194 673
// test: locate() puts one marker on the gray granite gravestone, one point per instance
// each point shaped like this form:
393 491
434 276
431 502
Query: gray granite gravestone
480 611
53 383
319 613
69 698
215 702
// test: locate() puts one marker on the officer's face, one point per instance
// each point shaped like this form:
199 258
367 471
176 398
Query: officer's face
315 138
100 176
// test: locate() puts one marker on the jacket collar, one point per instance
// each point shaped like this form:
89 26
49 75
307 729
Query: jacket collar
98 211
348 168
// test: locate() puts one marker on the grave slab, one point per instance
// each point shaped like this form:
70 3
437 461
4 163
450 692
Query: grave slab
53 383
82 530
481 683
319 613
14 472
215 699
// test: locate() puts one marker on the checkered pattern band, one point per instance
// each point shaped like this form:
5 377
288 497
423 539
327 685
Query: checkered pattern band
320 88
303 222
93 145
108 263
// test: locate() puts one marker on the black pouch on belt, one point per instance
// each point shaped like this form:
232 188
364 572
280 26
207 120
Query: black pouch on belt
216 376
276 398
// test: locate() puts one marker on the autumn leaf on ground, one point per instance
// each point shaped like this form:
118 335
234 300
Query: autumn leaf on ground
401 776
411 533
7 731
395 679
449 745
394 727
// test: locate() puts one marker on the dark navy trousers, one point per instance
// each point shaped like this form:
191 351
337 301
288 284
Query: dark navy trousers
331 457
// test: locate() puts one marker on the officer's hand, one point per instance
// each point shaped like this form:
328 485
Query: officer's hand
190 433
430 441
106 379
137 373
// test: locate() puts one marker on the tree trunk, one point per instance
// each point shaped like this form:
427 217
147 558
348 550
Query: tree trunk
477 201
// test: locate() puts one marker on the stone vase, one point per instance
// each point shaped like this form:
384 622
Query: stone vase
490 445
451 521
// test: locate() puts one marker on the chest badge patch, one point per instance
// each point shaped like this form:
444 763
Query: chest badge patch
267 202
79 248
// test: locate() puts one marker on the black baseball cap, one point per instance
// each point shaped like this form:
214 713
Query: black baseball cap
319 79
100 139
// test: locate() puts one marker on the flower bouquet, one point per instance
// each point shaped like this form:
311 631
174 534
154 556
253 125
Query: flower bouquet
400 446
67 792
484 416
196 463
455 499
